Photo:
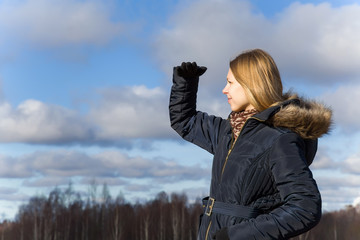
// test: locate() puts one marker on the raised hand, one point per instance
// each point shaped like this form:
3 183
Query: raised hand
190 70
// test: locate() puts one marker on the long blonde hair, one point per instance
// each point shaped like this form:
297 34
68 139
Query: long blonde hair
258 74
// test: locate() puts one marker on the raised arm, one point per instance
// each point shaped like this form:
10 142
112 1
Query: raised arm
192 125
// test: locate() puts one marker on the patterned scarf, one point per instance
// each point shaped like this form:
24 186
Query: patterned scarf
238 119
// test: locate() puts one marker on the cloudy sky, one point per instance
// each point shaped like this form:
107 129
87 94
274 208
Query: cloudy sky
84 87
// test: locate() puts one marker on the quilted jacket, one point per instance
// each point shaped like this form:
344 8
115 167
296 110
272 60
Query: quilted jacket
265 168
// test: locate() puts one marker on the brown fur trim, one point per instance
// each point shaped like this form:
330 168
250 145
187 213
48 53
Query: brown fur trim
310 119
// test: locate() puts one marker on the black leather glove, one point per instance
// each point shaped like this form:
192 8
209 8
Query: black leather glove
190 70
222 234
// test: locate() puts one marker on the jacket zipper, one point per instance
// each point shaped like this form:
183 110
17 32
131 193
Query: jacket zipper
233 144
207 230
227 156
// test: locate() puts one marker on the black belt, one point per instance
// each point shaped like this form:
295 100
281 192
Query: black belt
212 206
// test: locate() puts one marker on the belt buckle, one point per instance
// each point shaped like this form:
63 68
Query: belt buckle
209 206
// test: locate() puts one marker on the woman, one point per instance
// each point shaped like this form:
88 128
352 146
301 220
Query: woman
261 186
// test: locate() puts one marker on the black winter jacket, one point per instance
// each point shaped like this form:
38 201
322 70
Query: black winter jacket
265 168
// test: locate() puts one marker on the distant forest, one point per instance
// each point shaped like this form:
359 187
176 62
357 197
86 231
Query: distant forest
64 215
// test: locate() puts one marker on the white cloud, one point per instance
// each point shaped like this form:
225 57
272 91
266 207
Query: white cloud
45 182
60 165
337 189
313 41
139 187
323 161
12 194
345 104
138 167
339 181
209 32
110 181
335 199
352 165
33 121
317 43
334 180
120 116
14 197
13 168
132 112
336 172
58 22
356 202
7 190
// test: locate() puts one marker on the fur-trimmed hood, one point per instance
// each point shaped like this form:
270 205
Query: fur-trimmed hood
308 118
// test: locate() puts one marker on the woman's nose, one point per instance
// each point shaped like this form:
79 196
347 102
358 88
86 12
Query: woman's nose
225 90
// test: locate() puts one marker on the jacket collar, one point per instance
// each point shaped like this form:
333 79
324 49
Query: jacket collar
269 112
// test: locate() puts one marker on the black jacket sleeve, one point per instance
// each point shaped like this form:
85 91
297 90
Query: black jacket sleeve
192 125
301 208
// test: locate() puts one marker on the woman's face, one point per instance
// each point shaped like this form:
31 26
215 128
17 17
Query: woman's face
236 94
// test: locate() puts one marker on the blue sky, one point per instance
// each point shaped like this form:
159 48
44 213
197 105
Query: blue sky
84 88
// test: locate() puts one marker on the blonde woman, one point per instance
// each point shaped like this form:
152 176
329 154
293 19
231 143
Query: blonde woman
261 185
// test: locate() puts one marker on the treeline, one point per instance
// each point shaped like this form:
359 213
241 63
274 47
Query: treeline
338 225
64 215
